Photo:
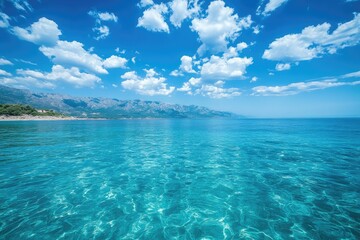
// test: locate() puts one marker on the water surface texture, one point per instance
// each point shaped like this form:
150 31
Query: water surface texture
180 179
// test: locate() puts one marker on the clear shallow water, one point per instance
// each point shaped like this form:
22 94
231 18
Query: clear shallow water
180 179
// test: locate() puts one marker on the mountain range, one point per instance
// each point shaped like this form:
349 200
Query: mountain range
111 108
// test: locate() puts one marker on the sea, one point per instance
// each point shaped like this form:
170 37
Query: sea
180 179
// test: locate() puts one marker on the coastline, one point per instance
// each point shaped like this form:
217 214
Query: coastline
38 118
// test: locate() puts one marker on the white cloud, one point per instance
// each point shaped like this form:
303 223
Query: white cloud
219 27
153 19
4 20
314 42
21 5
298 87
25 61
257 29
103 16
72 76
241 46
271 6
144 3
176 73
150 72
4 73
182 9
187 86
151 84
253 79
351 75
217 91
4 61
26 82
121 52
234 51
42 32
73 54
101 30
195 81
115 62
68 54
133 60
186 64
282 66
225 68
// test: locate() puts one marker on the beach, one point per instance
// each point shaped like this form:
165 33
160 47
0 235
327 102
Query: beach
36 118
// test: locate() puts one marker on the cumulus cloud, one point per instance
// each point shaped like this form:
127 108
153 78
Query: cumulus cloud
4 73
152 84
42 32
219 27
105 16
73 54
298 87
314 42
153 19
69 54
144 3
4 61
115 62
101 30
257 29
225 68
217 91
176 73
186 64
234 51
4 20
182 9
72 76
282 66
187 86
31 78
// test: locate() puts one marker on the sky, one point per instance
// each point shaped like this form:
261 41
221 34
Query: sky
258 58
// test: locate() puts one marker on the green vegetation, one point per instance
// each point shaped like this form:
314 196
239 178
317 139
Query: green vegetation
18 110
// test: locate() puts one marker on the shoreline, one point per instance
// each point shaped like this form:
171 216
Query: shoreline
38 118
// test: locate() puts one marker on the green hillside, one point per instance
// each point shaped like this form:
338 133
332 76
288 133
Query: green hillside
19 109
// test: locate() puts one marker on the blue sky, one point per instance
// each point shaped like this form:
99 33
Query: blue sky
266 58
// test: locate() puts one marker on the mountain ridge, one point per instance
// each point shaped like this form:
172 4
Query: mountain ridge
111 108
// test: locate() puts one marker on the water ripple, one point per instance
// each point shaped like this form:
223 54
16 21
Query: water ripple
180 179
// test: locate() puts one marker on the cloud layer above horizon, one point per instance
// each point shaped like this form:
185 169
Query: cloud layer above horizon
227 49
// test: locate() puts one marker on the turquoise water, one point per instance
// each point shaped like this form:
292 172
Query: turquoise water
180 179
